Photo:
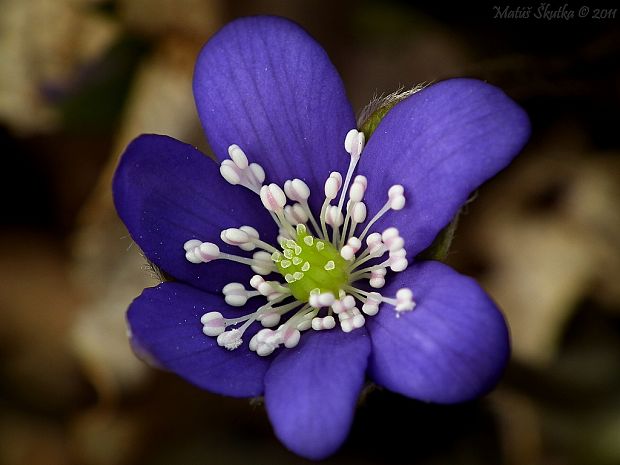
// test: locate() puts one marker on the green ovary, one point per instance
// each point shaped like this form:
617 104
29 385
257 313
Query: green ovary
311 265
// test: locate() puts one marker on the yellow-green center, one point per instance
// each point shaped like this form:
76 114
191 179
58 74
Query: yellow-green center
311 265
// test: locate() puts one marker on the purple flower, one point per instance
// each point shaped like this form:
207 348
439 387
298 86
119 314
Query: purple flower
264 88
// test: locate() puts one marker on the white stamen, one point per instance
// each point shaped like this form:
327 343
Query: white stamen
389 234
237 237
297 190
321 300
344 304
371 305
230 339
213 323
236 295
319 324
348 251
236 170
296 214
258 173
397 199
265 342
290 336
404 301
334 217
204 253
359 213
238 156
333 184
354 142
351 319
269 319
273 197
230 172
377 278
358 188
191 244
262 263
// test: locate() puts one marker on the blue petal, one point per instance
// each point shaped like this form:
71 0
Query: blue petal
440 144
165 326
311 391
451 348
167 192
263 83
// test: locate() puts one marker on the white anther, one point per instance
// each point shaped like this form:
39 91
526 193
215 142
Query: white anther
191 244
398 264
377 278
319 324
259 338
332 185
238 156
242 237
258 172
269 288
376 282
235 294
389 234
371 306
356 192
379 272
351 319
361 179
263 263
354 142
256 281
273 197
333 216
234 236
359 212
344 304
295 214
348 251
252 234
265 349
269 319
396 190
354 243
297 190
230 172
264 342
289 336
374 243
404 300
321 300
392 239
204 253
191 254
398 253
396 197
230 339
213 323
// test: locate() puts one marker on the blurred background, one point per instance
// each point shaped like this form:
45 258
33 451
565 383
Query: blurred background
80 78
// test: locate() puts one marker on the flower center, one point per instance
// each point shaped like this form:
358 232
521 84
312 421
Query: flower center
320 261
310 265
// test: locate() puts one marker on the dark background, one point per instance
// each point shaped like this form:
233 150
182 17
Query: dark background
80 78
